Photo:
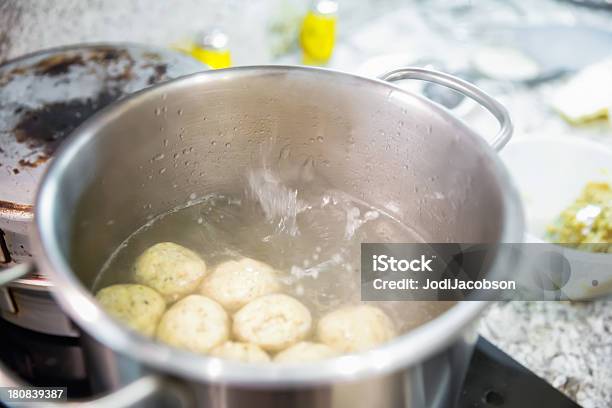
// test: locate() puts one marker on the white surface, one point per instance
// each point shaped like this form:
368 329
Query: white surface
550 173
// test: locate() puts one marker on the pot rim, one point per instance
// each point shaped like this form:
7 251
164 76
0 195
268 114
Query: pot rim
406 350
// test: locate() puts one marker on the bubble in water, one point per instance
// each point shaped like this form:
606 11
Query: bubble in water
159 157
157 111
162 170
179 112
213 142
320 139
228 145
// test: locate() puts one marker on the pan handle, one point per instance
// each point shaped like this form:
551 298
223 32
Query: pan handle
137 392
470 90
7 275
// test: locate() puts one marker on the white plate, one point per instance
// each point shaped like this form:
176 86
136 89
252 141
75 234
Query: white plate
550 173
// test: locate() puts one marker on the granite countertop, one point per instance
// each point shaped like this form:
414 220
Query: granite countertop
568 344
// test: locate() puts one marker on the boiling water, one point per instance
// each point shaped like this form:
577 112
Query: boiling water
292 220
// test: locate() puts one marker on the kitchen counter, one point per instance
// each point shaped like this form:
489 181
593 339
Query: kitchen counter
567 344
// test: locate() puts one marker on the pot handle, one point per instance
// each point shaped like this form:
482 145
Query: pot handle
137 392
463 87
7 275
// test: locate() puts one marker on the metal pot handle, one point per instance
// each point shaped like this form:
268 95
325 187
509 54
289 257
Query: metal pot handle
470 90
128 395
7 275
136 392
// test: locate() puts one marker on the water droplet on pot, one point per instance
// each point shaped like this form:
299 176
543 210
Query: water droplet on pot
285 152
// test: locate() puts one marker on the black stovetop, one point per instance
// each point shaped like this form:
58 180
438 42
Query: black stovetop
493 379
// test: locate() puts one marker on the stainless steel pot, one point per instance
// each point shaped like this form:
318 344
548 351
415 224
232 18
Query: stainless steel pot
380 143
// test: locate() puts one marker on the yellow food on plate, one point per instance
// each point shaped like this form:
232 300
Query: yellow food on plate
587 223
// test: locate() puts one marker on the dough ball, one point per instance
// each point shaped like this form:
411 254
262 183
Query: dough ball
137 306
355 328
172 270
304 352
273 322
244 352
195 323
235 283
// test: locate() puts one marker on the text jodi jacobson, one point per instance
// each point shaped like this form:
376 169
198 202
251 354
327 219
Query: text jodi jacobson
384 263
